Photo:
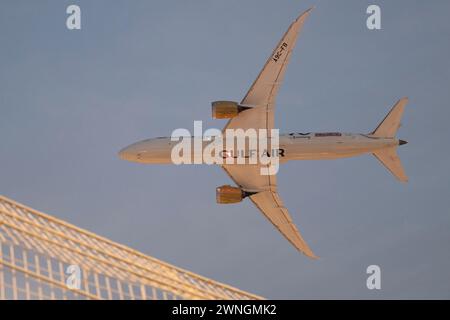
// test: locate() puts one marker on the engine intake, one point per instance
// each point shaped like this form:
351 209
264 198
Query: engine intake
228 194
226 109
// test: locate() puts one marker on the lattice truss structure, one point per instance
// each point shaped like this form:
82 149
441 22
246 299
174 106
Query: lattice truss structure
37 250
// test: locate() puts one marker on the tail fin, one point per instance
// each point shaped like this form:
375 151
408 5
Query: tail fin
389 158
388 129
390 124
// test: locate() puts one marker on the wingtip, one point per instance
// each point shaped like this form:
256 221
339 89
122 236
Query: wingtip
312 256
308 252
309 10
305 13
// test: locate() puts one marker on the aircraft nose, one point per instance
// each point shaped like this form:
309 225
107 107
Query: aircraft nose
137 151
132 152
127 153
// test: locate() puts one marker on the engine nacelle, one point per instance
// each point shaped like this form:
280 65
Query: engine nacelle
228 194
226 109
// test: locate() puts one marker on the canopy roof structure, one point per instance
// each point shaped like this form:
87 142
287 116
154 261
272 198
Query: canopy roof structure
42 257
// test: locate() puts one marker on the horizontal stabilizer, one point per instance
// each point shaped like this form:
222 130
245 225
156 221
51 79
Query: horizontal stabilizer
389 158
390 124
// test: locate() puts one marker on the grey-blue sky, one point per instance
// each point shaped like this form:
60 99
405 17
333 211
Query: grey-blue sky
70 100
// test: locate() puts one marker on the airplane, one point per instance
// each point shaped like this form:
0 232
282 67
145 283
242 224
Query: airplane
256 111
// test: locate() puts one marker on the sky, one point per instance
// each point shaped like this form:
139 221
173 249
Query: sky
71 99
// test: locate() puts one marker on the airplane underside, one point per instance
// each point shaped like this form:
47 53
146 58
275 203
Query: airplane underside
257 181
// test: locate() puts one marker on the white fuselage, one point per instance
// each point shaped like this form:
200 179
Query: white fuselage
293 146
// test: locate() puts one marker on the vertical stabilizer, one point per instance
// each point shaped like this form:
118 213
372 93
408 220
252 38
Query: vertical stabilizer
390 124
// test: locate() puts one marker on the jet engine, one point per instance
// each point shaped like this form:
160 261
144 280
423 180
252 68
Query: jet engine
226 109
228 194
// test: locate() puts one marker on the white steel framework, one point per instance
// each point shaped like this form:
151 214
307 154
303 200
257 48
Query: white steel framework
37 249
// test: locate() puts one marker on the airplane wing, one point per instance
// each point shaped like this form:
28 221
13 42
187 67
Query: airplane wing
268 201
270 204
261 99
261 95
